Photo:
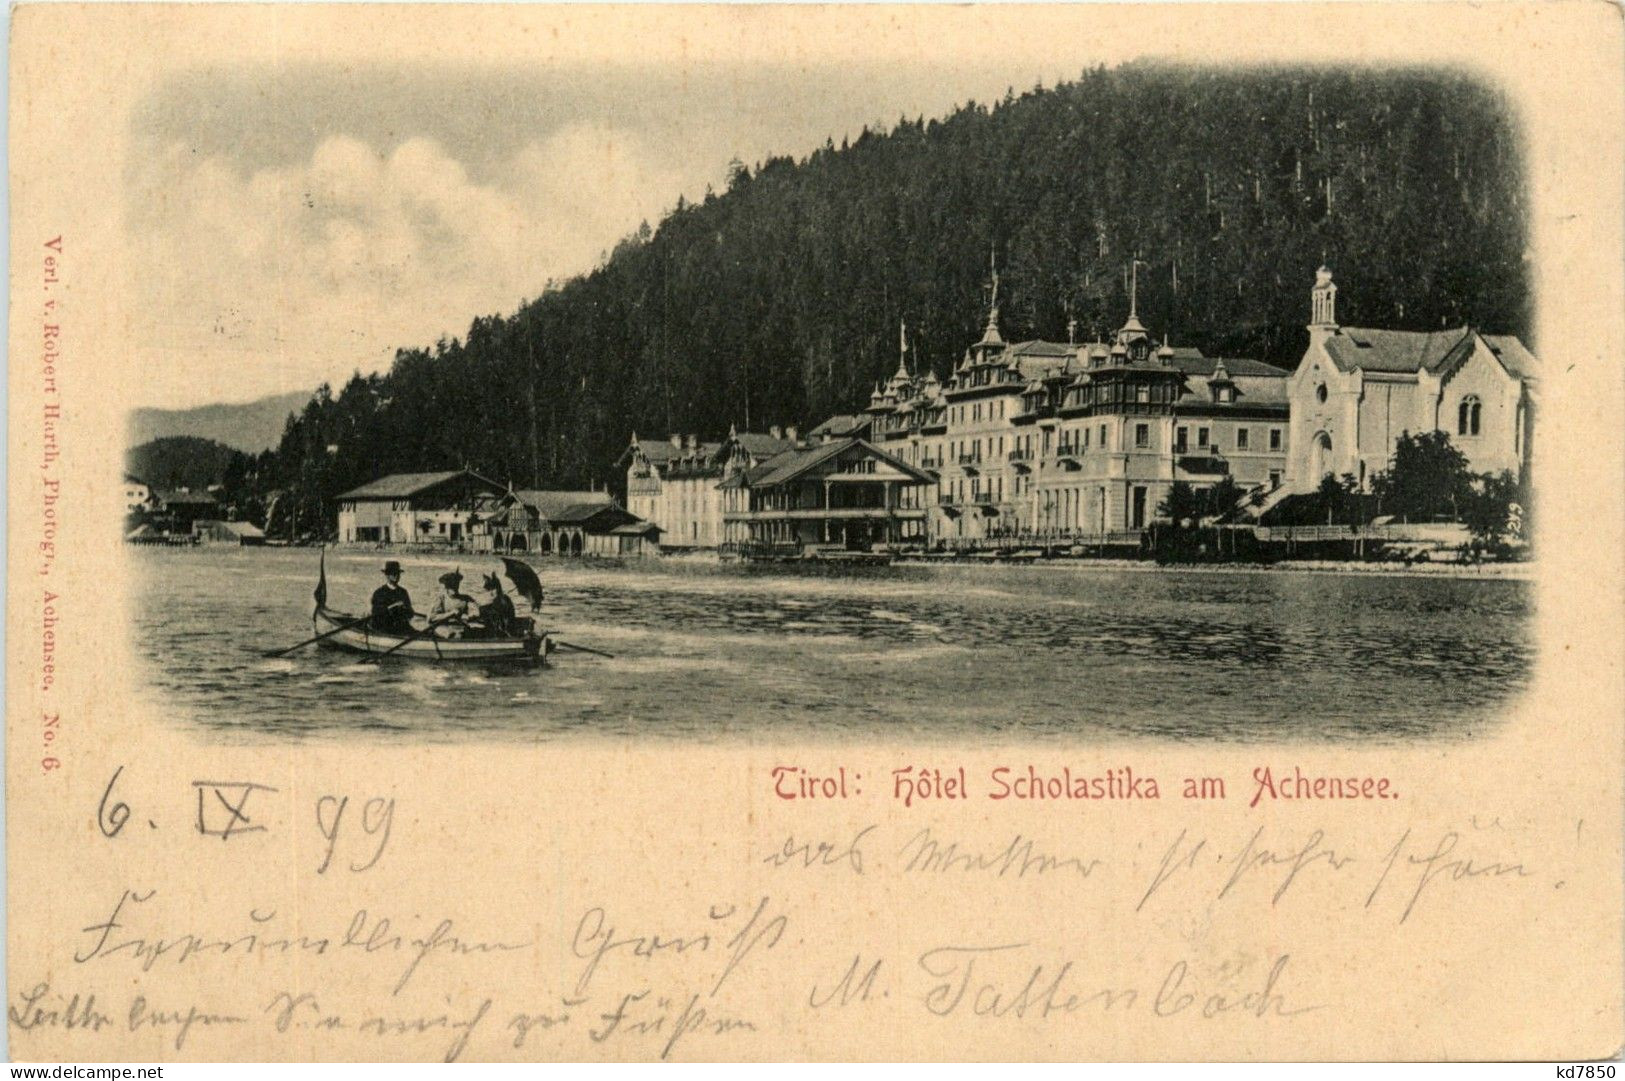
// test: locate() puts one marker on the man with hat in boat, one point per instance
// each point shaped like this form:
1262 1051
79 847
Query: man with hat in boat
391 604
452 606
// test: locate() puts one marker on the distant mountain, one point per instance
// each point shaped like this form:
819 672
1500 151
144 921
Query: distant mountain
248 426
180 461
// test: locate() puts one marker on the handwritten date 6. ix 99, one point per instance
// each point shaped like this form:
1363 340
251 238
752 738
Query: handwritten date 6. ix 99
227 809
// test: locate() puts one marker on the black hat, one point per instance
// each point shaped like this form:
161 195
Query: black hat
452 579
392 567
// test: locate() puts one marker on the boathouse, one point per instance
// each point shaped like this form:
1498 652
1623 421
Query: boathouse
563 523
242 534
174 510
413 508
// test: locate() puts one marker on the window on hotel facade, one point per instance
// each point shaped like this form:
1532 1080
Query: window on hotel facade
1102 437
1468 415
1201 437
1142 394
1275 439
1182 438
1241 438
1142 435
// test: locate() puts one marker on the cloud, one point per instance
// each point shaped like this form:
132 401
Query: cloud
284 277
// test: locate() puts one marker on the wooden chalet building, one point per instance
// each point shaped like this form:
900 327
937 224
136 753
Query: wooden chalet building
845 494
413 508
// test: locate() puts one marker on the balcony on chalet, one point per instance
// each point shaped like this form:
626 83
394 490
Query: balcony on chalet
1070 455
1021 458
971 462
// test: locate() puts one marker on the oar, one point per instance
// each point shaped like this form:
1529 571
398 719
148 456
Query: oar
583 649
319 637
414 636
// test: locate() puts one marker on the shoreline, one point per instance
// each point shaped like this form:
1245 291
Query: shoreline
1517 572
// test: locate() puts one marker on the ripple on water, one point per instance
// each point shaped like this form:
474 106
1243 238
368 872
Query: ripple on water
710 652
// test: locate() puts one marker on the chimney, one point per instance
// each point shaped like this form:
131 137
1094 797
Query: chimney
676 441
693 441
791 433
775 432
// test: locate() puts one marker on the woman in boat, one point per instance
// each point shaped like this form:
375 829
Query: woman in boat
453 607
498 613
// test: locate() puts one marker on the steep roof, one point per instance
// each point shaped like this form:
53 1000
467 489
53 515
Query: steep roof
658 451
1376 350
1407 351
401 485
840 425
1251 390
792 464
1037 347
1513 355
661 452
1194 362
238 529
759 444
763 444
564 506
1033 357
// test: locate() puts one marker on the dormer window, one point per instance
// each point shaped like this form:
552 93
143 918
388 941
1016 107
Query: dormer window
1139 351
1224 394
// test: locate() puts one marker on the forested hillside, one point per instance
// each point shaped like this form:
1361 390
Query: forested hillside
181 461
777 300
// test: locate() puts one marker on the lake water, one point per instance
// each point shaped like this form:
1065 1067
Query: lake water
713 652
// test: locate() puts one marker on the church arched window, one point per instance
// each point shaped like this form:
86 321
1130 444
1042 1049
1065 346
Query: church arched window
1469 415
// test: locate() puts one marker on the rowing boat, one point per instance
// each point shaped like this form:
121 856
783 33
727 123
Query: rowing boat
362 639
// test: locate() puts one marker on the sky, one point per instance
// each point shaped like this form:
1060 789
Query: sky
290 225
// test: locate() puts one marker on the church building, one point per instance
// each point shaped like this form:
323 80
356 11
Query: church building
1358 390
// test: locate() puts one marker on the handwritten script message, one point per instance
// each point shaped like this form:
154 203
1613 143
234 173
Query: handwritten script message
730 973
